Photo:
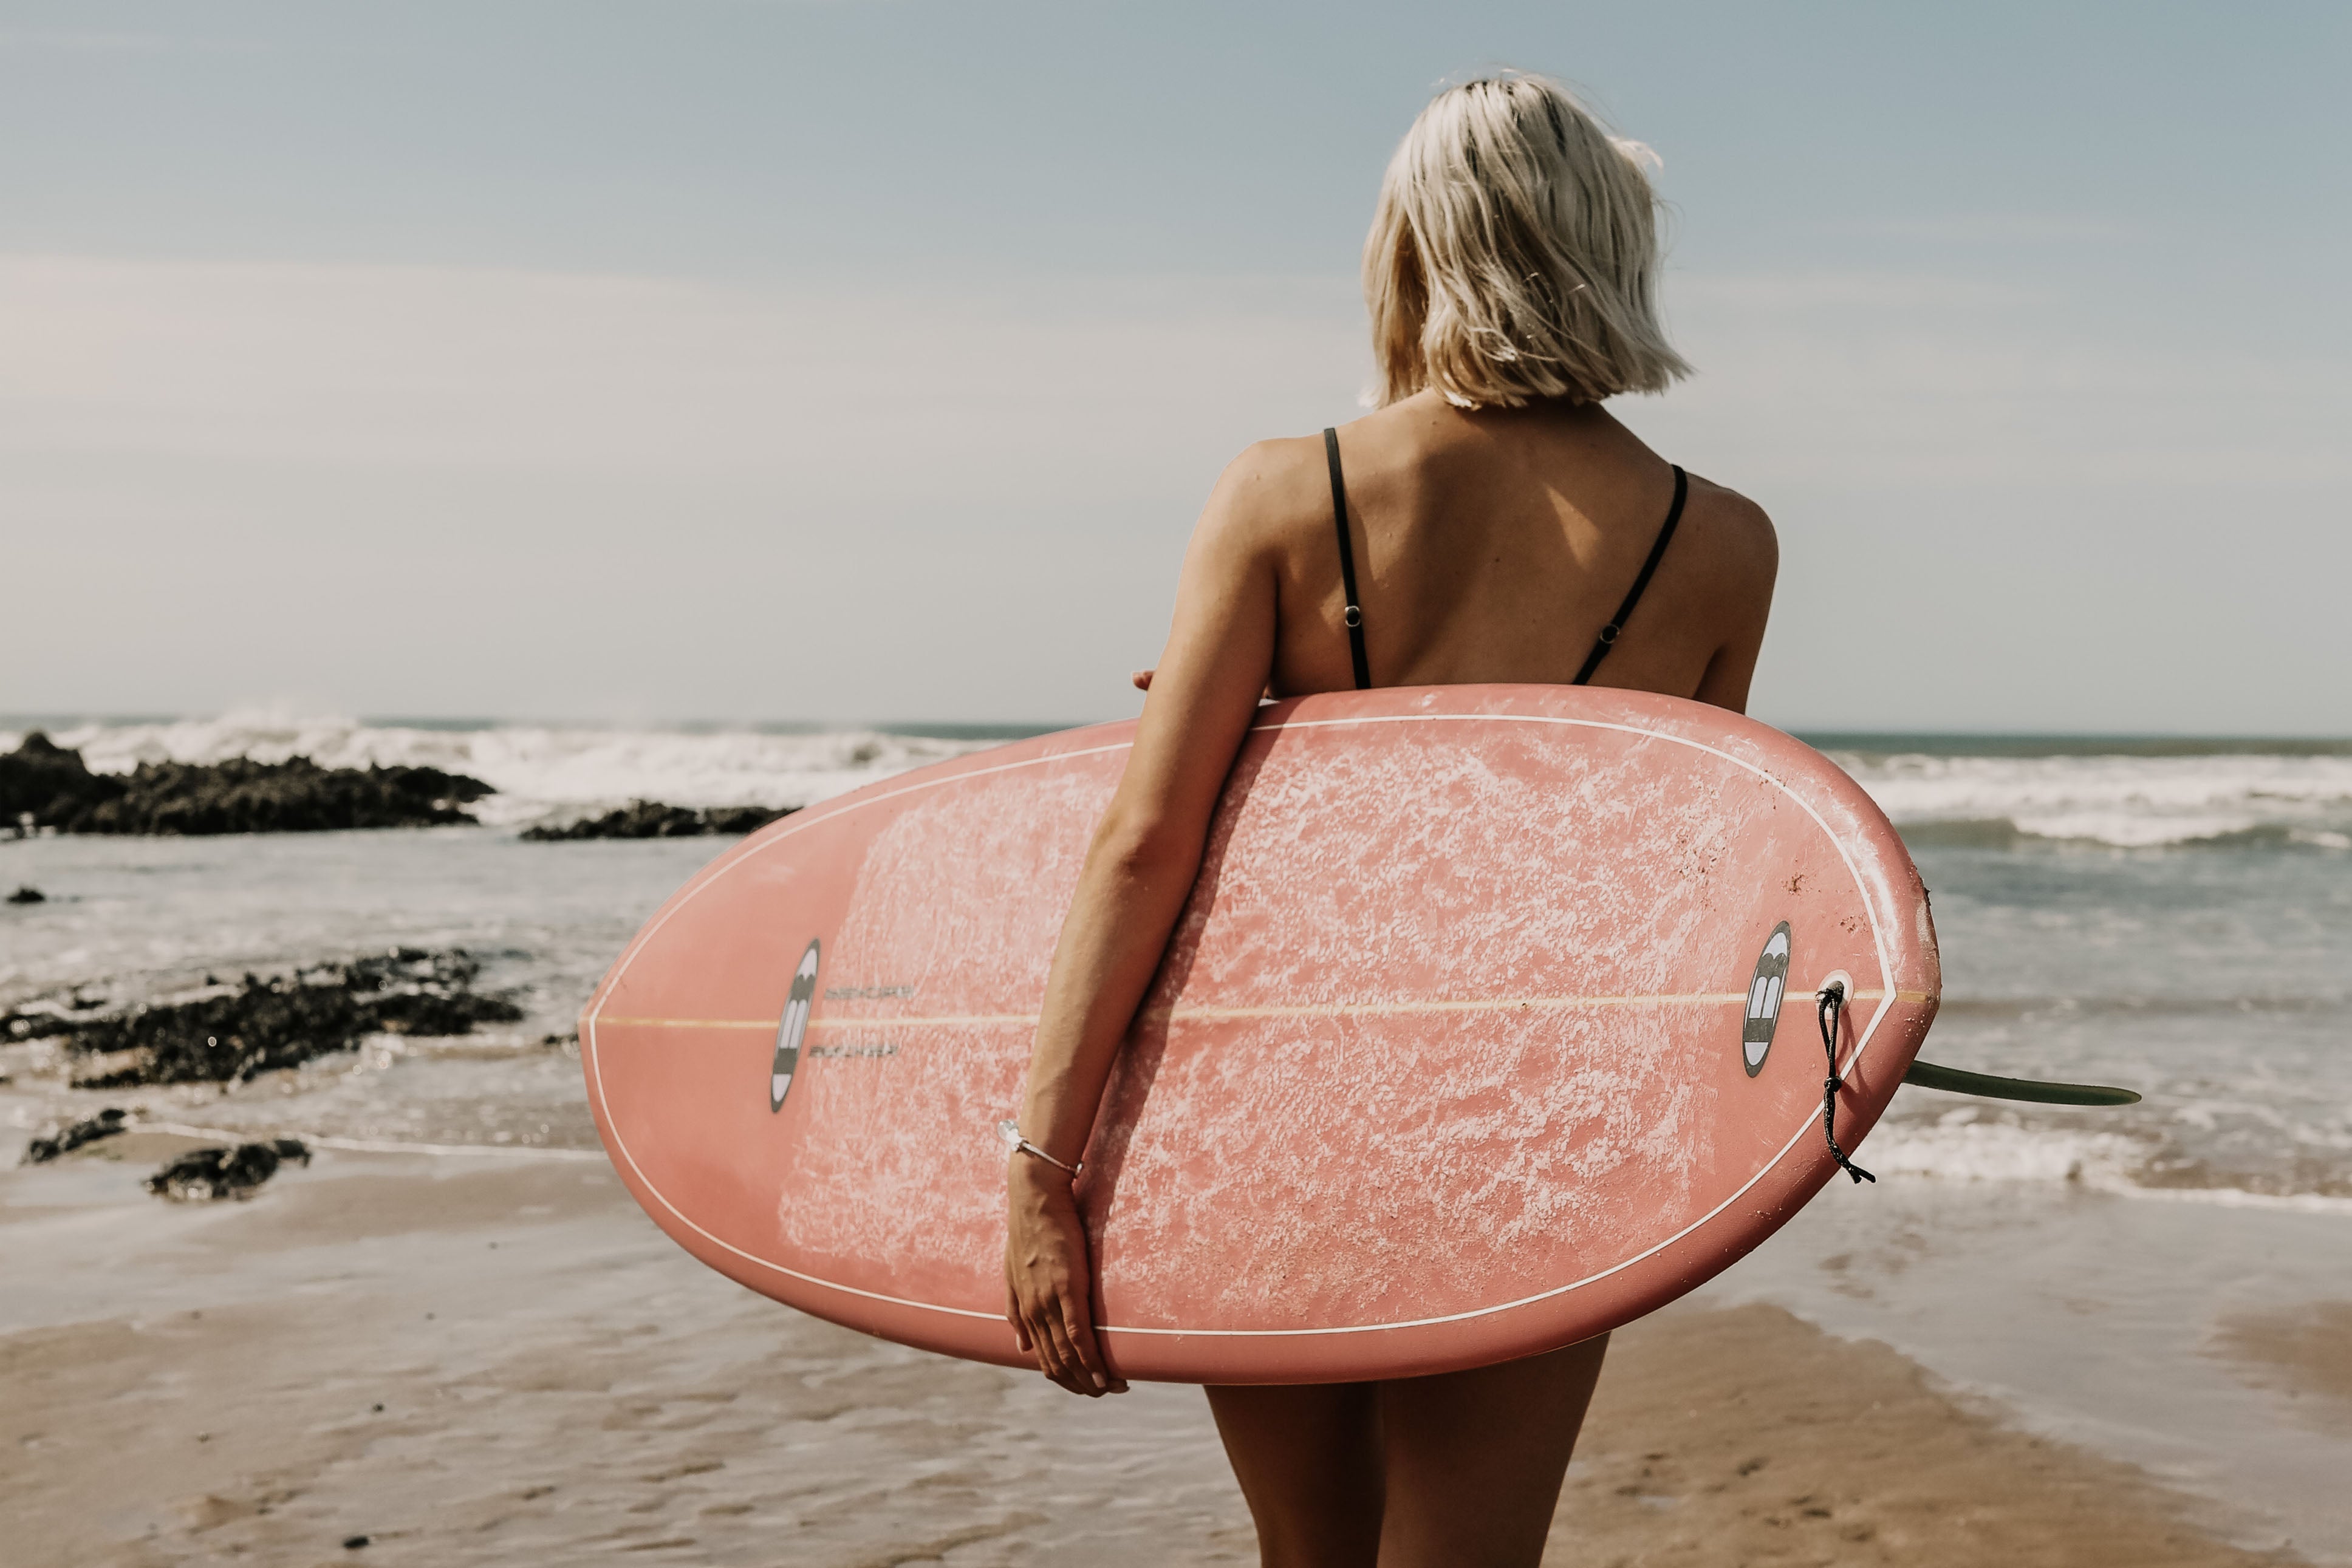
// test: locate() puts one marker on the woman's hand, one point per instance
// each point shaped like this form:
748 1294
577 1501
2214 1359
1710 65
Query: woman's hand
1049 1279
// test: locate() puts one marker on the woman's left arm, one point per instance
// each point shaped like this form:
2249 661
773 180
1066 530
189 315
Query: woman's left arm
1138 871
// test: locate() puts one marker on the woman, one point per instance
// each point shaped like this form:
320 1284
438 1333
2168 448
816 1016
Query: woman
1495 518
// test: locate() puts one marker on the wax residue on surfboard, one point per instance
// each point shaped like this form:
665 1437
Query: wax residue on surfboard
1390 889
967 902
957 905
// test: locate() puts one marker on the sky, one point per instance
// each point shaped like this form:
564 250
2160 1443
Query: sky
850 360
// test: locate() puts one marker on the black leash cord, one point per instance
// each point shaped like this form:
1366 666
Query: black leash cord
1829 1014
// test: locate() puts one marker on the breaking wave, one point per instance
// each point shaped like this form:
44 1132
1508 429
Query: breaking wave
2124 1164
2243 799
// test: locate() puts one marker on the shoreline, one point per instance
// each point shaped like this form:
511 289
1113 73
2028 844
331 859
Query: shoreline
475 1359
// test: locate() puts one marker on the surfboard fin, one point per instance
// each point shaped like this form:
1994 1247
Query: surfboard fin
1951 1079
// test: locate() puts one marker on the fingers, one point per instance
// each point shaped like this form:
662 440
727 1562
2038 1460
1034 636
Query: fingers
1038 1338
1079 1326
1063 1342
1078 1360
1068 1369
1036 1330
1051 1347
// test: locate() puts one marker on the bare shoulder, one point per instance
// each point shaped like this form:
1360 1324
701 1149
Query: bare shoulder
1736 541
1735 529
1270 492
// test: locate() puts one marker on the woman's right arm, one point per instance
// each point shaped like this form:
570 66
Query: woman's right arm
1138 871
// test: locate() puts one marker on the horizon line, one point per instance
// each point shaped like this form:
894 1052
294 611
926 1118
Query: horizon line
1843 737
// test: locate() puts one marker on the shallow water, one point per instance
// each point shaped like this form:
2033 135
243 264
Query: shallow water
2216 981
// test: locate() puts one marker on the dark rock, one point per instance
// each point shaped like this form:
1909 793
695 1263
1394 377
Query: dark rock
219 1172
39 1025
353 1542
652 819
28 894
47 786
42 782
281 1021
42 1150
297 796
48 1019
738 819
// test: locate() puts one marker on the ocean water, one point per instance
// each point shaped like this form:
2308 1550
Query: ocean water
2171 915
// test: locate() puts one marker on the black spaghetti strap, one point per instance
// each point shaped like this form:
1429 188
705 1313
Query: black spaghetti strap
1625 610
1355 614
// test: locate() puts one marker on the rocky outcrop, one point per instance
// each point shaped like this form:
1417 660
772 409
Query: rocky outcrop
218 1171
44 782
238 1032
44 785
652 819
59 1141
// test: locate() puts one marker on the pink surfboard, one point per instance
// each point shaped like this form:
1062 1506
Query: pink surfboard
1490 1026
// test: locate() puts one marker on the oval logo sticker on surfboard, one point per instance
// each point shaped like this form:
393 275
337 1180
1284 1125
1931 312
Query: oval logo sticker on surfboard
1763 1000
794 1025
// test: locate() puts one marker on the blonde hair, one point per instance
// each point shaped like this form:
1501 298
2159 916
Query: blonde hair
1513 253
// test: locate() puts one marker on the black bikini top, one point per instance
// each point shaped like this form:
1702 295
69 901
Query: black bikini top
1355 616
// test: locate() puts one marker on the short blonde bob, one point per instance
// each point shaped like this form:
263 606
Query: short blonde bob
1514 252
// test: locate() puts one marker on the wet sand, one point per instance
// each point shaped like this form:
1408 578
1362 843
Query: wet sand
476 1360
1744 1435
2303 1353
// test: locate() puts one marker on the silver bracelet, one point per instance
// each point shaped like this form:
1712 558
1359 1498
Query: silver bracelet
1010 1131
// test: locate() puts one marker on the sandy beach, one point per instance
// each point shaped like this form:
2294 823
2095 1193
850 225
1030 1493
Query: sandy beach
499 1360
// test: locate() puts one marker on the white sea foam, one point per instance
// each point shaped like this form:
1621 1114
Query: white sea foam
538 771
2133 802
1996 1151
1958 1148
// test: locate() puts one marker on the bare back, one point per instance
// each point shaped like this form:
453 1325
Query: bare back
1494 545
